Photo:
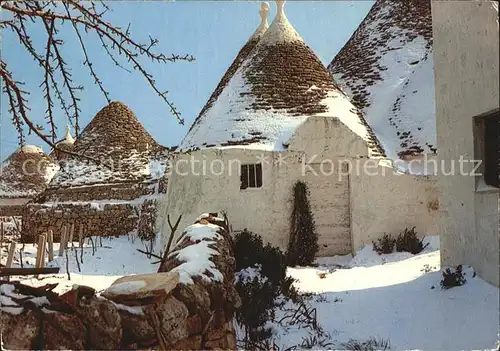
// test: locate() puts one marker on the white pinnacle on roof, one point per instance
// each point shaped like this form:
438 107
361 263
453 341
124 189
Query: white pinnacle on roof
261 29
281 30
68 139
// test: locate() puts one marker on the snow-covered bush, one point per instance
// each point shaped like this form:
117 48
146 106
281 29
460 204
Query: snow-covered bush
408 241
384 245
261 278
452 279
250 251
258 296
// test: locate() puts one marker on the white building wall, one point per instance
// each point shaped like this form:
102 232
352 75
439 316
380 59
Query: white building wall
350 208
264 211
384 201
466 52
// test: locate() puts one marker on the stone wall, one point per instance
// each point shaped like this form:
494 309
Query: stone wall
103 220
175 309
104 210
350 209
13 210
388 202
120 191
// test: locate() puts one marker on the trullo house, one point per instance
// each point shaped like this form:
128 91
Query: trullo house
108 192
386 68
277 116
23 175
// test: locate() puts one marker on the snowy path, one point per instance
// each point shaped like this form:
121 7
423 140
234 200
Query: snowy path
395 300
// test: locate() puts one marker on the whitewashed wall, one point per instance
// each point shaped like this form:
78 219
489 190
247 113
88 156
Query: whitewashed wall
387 202
466 68
264 210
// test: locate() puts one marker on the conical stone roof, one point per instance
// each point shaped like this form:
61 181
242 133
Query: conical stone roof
113 132
117 139
269 92
26 172
386 67
240 58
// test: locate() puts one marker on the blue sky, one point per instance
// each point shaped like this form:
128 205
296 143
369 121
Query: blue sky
212 31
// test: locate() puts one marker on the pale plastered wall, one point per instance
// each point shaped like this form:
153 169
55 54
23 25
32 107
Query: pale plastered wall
384 201
466 68
264 210
15 201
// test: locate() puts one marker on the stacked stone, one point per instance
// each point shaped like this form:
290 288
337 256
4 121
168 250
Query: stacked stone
358 62
210 304
108 220
38 319
240 58
125 192
117 138
165 312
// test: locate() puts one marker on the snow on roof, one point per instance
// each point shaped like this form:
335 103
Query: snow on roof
26 172
196 257
68 138
32 149
261 29
268 92
117 138
281 30
386 67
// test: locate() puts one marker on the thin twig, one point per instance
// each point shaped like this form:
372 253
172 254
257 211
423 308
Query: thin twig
77 262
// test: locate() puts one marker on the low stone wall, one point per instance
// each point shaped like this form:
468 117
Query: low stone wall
7 211
121 191
209 298
101 220
189 305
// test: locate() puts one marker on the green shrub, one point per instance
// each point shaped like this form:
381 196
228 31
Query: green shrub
371 344
408 241
257 302
384 245
303 243
247 249
452 279
261 278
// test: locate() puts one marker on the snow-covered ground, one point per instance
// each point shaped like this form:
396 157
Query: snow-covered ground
115 258
394 297
397 297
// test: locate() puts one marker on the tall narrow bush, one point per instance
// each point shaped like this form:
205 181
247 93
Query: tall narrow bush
303 243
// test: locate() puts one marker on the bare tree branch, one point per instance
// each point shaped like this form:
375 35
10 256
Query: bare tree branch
85 16
17 106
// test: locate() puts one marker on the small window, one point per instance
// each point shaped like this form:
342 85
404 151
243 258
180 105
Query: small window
251 176
488 147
